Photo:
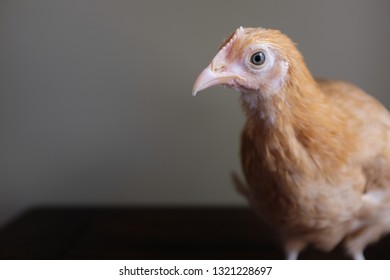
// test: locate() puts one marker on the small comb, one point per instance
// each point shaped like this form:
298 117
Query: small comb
229 40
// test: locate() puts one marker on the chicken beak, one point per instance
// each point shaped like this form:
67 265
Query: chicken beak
208 78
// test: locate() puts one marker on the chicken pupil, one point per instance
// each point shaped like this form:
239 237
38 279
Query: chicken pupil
258 58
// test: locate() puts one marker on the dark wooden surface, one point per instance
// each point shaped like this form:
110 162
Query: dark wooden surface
149 233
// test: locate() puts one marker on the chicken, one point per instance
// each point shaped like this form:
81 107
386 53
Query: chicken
315 153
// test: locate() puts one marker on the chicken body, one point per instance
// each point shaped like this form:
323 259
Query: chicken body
315 153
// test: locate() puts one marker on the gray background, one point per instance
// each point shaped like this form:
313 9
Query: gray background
95 96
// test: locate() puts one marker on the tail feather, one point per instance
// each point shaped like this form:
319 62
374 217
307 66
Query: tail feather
240 185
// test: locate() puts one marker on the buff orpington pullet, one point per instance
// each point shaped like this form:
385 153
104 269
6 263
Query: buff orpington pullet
315 153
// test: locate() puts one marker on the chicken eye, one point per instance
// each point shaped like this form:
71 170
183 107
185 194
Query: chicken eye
258 58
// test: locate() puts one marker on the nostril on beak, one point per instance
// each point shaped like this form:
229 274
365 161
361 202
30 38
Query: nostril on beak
217 67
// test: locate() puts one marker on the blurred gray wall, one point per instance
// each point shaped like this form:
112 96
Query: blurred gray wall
95 96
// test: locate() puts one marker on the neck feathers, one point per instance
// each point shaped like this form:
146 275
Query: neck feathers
299 127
